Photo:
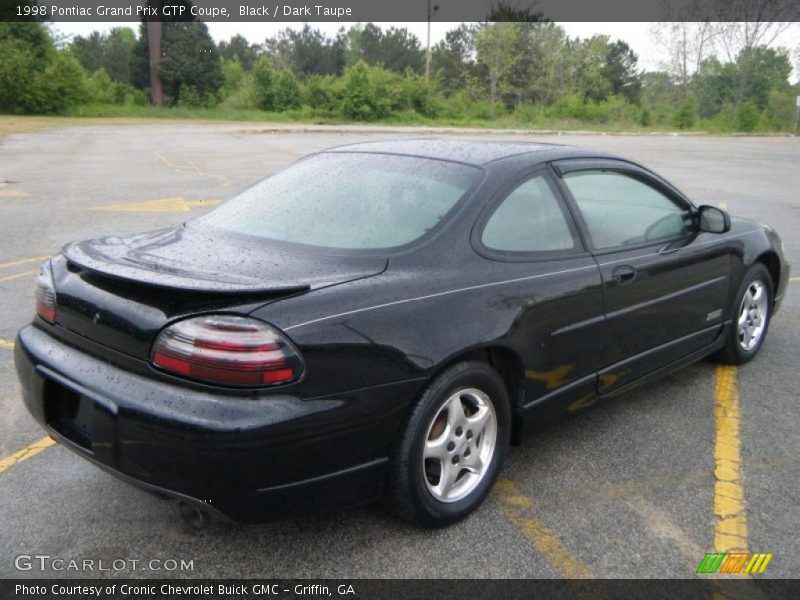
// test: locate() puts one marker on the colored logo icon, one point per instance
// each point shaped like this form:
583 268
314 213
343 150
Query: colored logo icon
734 562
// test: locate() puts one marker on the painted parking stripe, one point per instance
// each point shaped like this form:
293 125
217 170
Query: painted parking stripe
730 532
6 344
22 261
174 204
516 506
18 275
26 453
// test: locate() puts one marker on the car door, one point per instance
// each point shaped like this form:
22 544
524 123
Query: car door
556 294
665 285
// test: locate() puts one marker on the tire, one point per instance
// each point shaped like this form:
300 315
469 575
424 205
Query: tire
445 463
750 326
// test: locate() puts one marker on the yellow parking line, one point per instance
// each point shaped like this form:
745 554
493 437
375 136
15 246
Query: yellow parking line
794 278
26 453
7 344
514 505
730 532
22 261
172 166
18 275
723 205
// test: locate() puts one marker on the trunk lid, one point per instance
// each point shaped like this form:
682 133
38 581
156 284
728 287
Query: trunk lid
121 291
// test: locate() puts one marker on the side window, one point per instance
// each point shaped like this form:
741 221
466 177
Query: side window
620 210
530 219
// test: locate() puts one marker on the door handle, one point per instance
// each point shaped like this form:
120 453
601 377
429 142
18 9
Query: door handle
624 274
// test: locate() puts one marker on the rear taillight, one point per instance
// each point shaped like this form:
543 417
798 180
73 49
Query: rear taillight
46 294
227 350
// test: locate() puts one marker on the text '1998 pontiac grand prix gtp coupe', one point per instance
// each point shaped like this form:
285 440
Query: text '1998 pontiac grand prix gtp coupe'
382 320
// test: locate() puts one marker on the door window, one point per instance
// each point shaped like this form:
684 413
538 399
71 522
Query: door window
529 219
620 210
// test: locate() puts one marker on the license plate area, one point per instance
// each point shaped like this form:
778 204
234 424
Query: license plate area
68 413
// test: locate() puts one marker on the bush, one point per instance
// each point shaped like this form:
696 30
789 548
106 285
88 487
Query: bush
420 96
263 84
233 75
189 97
102 89
684 117
645 116
38 80
528 113
134 97
368 93
286 91
780 109
464 106
322 92
747 117
575 106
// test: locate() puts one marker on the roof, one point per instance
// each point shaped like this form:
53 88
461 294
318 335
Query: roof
475 152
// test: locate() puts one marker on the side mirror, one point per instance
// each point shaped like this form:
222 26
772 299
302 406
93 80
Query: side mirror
713 219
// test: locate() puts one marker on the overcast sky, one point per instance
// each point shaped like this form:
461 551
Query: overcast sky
637 35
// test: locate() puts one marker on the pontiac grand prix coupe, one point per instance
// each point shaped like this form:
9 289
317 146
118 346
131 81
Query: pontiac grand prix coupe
382 320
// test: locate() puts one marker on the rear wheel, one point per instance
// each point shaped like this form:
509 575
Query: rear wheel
751 319
453 447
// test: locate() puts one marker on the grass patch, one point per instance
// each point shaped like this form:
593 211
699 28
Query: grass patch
11 124
103 114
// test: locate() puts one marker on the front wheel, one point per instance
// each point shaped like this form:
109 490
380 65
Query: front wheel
751 320
453 447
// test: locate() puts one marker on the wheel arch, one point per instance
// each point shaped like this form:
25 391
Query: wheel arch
509 367
771 261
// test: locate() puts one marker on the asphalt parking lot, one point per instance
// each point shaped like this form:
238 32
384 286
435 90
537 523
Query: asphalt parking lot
629 490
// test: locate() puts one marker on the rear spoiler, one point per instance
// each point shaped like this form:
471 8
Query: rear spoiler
123 269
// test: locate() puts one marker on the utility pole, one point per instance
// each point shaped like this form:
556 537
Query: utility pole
428 45
154 35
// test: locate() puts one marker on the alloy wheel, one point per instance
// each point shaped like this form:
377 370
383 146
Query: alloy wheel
459 445
753 315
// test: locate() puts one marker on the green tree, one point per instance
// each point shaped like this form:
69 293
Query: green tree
189 58
495 44
591 74
238 48
264 84
89 50
622 72
111 52
307 52
118 51
769 70
452 62
395 49
35 78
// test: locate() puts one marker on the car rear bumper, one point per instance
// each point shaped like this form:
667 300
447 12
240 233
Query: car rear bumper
250 458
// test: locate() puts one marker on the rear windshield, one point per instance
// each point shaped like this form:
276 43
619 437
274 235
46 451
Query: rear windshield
352 201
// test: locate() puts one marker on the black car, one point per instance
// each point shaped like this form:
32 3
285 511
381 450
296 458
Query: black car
382 320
